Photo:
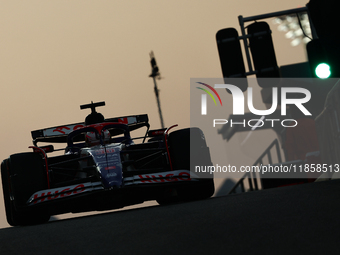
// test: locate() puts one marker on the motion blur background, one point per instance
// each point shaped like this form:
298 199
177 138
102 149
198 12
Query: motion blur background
56 55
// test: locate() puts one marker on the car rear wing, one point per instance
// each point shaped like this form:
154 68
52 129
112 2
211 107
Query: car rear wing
59 134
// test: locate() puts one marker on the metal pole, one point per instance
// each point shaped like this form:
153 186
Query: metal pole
158 102
275 14
155 73
243 31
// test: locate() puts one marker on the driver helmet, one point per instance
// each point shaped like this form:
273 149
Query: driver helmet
92 138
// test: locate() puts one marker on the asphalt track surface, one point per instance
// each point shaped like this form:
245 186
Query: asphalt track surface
301 219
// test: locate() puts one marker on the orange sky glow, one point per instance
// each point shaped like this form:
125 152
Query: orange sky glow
57 55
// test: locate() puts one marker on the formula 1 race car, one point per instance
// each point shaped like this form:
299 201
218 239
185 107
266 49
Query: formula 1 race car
103 168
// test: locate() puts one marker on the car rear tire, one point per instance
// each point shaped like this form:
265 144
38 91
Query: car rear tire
9 208
22 175
179 149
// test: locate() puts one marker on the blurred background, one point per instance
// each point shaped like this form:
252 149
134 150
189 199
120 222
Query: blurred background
57 55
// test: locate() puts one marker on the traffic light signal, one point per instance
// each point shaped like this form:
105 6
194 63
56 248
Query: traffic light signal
229 50
263 53
323 51
323 58
323 71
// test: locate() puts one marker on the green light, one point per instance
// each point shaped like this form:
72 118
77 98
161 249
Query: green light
323 71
